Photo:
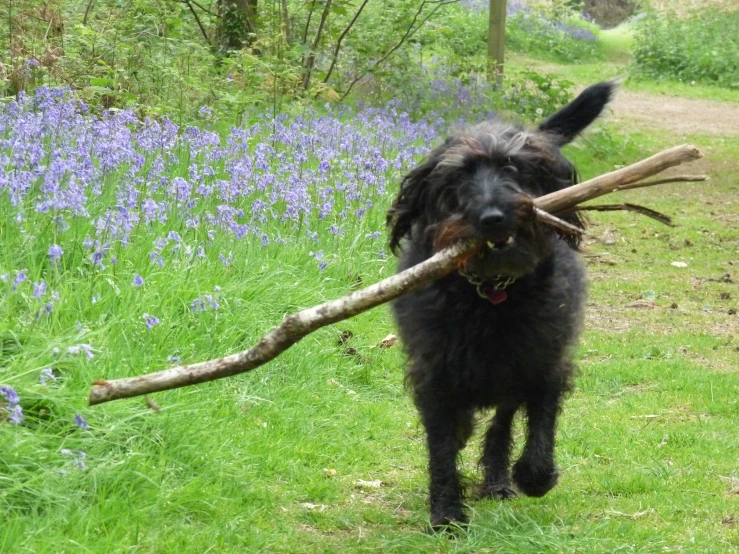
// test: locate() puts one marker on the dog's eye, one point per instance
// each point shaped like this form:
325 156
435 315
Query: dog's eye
509 170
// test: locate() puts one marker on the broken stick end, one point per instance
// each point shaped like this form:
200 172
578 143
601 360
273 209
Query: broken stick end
695 153
99 392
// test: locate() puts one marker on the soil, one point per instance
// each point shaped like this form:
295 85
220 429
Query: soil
675 114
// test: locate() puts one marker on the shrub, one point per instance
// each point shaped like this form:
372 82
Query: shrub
567 37
703 47
554 32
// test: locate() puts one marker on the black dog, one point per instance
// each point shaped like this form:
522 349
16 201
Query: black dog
499 333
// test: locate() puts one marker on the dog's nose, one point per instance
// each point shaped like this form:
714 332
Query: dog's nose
492 219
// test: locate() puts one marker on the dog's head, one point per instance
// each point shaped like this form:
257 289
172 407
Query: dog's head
480 185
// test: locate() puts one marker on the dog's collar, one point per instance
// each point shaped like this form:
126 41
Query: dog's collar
493 290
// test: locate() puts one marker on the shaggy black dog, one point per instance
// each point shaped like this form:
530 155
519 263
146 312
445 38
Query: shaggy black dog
501 331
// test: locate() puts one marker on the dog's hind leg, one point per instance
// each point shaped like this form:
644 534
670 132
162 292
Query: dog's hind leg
447 431
535 472
496 455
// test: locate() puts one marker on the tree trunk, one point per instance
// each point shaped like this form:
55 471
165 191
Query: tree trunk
496 35
237 27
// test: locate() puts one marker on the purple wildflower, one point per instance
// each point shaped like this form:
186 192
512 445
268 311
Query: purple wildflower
15 412
15 415
55 252
10 395
138 281
150 321
81 422
224 260
78 456
20 277
77 348
210 299
47 374
39 289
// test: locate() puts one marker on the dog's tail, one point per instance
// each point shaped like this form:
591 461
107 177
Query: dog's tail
571 120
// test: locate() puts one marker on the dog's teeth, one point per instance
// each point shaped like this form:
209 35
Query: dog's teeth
491 245
510 240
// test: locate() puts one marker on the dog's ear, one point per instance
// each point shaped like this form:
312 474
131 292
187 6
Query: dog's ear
571 120
409 205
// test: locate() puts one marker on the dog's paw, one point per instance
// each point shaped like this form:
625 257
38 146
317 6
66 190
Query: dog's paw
497 492
534 480
448 519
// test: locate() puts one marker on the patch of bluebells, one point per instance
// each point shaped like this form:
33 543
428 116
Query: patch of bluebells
151 321
13 407
208 301
535 21
116 173
531 19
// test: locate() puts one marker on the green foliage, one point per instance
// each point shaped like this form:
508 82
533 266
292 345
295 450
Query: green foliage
562 35
157 57
553 31
703 47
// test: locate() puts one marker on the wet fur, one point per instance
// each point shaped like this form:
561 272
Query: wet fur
466 354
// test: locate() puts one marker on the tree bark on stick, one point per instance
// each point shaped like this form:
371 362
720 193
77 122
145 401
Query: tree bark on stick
297 326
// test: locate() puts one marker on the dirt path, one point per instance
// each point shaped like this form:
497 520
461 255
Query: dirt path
675 114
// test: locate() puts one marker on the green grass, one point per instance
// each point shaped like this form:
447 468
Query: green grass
286 458
615 46
279 460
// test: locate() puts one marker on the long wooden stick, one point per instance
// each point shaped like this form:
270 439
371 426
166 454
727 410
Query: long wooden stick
298 325
291 330
619 179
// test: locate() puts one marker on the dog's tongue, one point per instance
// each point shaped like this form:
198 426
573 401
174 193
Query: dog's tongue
496 296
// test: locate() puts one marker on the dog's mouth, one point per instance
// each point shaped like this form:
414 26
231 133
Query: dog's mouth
500 243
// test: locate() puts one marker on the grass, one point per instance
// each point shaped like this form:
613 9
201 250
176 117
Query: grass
321 450
615 45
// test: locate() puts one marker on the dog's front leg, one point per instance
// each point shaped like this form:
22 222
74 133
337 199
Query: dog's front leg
496 455
535 473
447 431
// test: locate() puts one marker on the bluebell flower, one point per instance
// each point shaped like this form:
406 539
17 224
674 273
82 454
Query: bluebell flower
47 374
20 277
55 252
78 456
138 281
81 422
39 289
15 412
77 348
150 321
